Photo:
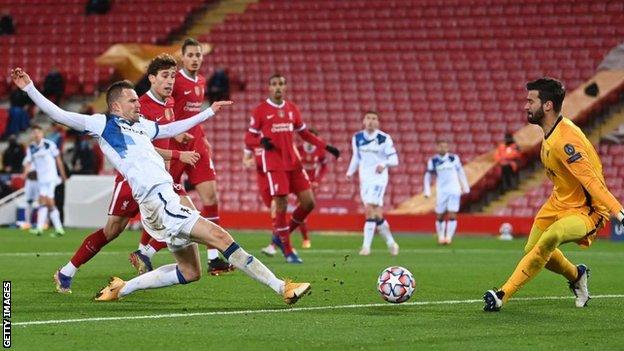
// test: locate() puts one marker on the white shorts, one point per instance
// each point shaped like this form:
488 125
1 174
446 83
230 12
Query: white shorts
447 202
165 219
47 188
372 193
31 191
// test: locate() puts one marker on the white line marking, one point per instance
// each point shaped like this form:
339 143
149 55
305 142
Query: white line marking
295 309
442 251
29 254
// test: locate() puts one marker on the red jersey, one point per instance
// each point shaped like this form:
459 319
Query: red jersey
159 112
314 162
278 123
189 97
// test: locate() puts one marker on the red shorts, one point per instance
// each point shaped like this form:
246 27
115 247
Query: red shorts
203 171
123 204
282 183
263 188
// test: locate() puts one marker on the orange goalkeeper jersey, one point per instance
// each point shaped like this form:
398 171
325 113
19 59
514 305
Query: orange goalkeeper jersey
574 167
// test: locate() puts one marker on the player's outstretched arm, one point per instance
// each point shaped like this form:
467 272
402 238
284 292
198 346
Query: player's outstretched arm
188 157
355 160
73 120
427 184
585 172
172 129
462 178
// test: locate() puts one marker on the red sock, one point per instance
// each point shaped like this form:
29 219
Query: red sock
89 248
211 213
145 238
298 217
303 228
157 245
281 230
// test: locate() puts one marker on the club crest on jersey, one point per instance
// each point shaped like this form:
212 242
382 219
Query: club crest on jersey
168 114
198 91
280 113
569 149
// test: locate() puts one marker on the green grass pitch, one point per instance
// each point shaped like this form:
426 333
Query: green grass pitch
343 312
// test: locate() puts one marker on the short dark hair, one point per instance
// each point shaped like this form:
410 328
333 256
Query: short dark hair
161 62
36 126
549 89
189 42
114 91
372 112
276 75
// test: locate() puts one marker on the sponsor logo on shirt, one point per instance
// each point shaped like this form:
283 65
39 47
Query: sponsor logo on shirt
282 127
193 106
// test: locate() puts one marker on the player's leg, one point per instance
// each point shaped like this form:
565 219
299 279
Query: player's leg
370 222
300 185
166 219
90 246
306 204
440 210
306 243
276 243
44 207
557 263
145 239
280 229
205 232
452 209
187 269
279 187
203 177
31 192
576 275
305 236
55 217
384 230
566 229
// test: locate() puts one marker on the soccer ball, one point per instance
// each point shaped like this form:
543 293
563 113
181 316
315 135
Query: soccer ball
396 284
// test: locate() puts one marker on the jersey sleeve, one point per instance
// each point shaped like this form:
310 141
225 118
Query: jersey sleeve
255 122
297 121
53 149
430 168
95 124
151 127
573 155
355 158
392 158
27 158
461 174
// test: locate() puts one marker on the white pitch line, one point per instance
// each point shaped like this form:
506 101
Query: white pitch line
441 251
295 309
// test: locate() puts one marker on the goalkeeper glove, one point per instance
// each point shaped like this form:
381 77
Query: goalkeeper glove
267 144
332 150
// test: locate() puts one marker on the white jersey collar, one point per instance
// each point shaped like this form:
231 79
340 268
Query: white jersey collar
151 95
183 73
274 104
371 136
